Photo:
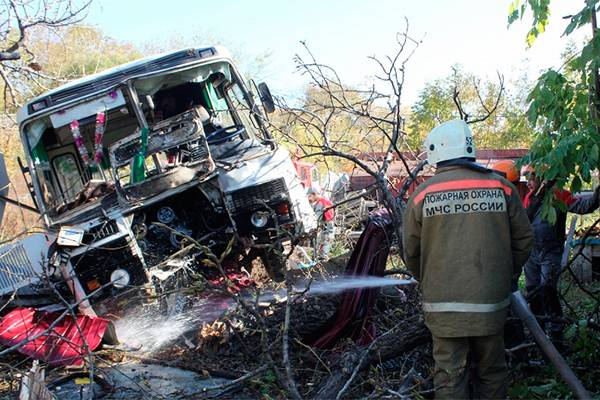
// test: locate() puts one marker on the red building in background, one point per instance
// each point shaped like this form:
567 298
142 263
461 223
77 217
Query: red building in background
397 171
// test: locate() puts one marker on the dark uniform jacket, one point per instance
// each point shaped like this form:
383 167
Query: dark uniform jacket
549 236
466 237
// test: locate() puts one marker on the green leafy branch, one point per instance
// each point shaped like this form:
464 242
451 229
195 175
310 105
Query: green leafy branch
564 104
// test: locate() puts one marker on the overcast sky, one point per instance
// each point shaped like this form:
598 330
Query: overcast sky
342 34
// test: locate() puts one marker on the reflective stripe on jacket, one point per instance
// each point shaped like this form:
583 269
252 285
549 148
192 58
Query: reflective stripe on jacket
466 237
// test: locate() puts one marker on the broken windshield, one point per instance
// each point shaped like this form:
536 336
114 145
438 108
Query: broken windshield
213 89
165 157
186 113
69 153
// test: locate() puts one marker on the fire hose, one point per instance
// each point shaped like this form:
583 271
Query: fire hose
519 304
521 308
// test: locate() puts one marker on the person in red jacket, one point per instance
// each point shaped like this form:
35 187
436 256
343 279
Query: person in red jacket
323 208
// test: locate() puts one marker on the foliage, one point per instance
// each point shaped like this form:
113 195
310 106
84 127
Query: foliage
505 128
62 55
581 349
265 385
564 103
545 383
537 378
341 245
585 343
541 13
19 66
532 389
80 50
349 133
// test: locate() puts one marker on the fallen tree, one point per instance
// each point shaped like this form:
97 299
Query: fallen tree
404 337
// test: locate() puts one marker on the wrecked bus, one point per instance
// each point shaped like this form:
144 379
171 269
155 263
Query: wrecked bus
126 166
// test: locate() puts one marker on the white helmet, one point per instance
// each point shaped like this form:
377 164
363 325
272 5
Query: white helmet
450 140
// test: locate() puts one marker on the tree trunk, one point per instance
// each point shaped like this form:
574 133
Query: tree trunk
413 334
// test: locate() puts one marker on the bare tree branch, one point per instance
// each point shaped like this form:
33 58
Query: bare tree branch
20 18
487 110
342 122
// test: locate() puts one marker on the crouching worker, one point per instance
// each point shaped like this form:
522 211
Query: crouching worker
323 208
466 237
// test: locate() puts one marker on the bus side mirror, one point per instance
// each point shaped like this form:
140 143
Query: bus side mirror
266 98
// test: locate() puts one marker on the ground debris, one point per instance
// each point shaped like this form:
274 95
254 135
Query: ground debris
227 342
212 335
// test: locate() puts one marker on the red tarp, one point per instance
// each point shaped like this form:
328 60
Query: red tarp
64 344
368 259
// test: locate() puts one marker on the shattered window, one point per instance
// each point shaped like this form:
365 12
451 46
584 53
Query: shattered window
224 117
150 168
240 106
69 177
46 184
123 174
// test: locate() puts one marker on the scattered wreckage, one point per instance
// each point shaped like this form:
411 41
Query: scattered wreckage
128 165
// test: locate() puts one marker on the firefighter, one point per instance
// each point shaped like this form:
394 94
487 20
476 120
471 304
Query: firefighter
543 268
466 237
325 214
508 169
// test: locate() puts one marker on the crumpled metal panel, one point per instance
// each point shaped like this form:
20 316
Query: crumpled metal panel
21 262
66 343
164 135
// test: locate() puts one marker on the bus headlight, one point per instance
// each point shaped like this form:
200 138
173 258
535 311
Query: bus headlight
119 278
259 219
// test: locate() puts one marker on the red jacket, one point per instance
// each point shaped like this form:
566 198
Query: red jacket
324 204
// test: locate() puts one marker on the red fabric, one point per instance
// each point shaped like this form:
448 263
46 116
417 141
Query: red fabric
64 344
232 270
565 196
239 280
527 199
352 318
328 214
